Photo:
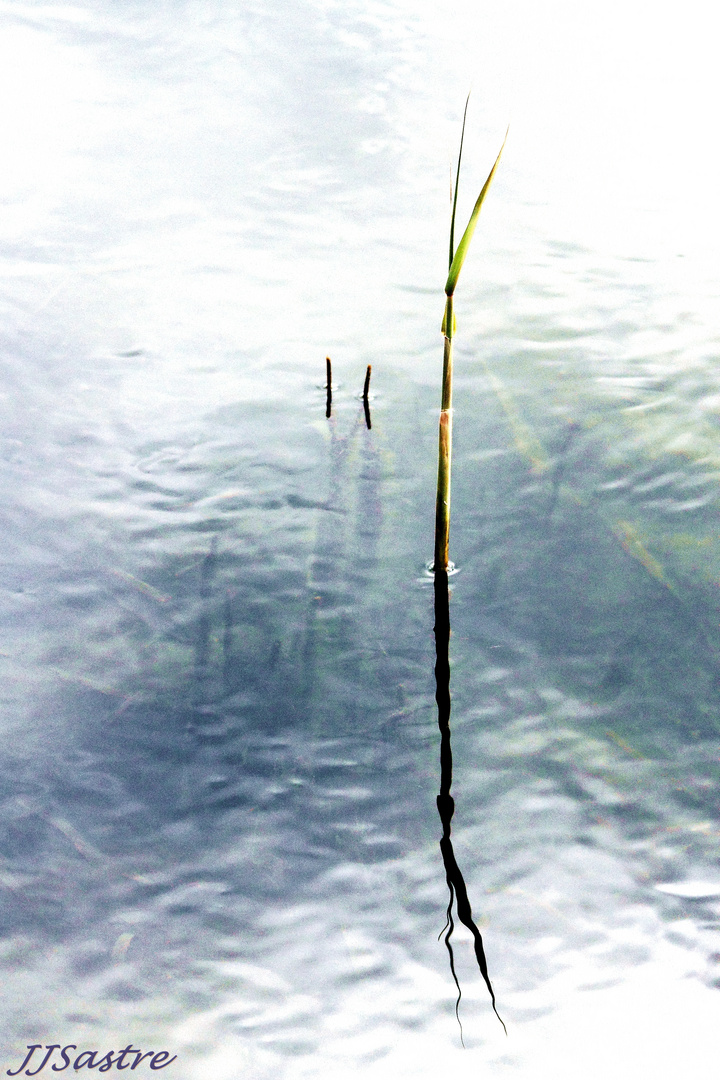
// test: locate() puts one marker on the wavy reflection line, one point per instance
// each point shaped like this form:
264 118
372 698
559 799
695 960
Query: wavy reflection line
445 802
449 927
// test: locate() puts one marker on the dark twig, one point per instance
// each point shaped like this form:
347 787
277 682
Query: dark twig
328 387
366 391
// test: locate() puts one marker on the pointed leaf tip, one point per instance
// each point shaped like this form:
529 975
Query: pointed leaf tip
462 249
457 185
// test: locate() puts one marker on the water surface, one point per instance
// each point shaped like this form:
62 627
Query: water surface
218 832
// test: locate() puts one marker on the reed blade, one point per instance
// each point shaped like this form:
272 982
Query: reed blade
457 185
462 249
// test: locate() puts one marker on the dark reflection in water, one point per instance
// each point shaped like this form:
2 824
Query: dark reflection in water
445 801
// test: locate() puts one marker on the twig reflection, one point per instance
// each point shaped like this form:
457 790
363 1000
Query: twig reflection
365 400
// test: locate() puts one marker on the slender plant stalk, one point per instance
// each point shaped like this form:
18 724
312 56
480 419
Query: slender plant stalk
366 387
456 260
442 501
445 802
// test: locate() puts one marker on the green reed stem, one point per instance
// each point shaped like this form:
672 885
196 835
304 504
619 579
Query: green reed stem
457 258
442 500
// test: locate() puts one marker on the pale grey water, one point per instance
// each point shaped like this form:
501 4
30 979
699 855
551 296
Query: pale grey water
218 832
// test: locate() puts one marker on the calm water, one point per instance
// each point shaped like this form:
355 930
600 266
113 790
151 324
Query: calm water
218 832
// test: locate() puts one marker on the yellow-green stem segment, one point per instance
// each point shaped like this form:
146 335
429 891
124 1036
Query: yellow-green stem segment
457 258
442 501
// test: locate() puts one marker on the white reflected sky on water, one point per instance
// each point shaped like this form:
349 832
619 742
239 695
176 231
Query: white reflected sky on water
187 156
194 179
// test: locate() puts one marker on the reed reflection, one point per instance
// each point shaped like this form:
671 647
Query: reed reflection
445 802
